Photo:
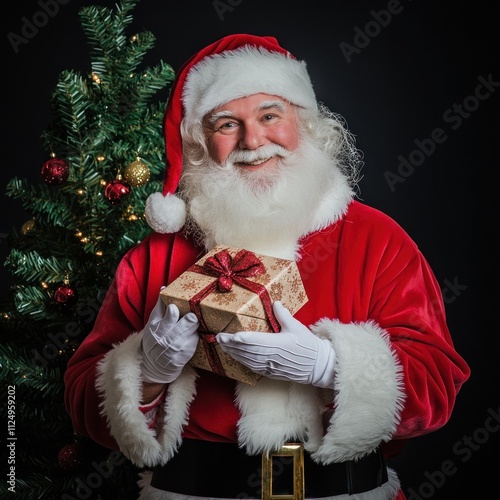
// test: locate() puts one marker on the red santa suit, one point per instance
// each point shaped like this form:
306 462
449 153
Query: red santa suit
370 292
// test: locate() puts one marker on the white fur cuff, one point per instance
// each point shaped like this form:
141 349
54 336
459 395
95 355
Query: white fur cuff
369 390
119 381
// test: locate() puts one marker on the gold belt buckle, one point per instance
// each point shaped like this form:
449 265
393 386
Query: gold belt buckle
294 450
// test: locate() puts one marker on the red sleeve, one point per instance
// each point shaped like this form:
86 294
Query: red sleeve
125 309
414 315
405 299
367 276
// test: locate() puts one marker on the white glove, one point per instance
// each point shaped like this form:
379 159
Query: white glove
294 353
168 343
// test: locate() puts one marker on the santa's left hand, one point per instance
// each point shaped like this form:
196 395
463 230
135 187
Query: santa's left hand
293 354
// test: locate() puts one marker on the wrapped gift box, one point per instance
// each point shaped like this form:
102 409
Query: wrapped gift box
231 290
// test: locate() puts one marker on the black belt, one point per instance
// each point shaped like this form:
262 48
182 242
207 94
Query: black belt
222 470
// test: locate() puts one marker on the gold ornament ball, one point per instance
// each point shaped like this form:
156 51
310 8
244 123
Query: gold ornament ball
28 227
137 173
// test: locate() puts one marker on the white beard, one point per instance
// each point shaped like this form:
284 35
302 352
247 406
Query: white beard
264 211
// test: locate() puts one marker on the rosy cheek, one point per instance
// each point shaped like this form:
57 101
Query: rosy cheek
288 138
293 142
214 150
219 148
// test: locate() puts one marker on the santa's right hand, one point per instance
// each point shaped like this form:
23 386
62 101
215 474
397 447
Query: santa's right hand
168 343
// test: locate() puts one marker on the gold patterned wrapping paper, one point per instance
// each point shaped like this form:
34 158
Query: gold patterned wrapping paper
216 288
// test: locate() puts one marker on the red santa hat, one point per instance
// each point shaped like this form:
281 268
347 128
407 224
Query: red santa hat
235 66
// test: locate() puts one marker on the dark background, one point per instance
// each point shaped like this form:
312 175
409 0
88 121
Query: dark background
406 81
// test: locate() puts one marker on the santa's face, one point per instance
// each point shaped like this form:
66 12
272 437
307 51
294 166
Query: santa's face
263 181
244 127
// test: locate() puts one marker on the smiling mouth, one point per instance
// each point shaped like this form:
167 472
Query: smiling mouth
255 163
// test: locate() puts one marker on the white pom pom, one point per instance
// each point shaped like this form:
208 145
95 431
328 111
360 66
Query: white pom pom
165 214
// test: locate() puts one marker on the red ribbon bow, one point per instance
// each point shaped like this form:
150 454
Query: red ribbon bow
229 270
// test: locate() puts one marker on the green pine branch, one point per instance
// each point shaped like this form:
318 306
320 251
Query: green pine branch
41 202
105 31
99 123
31 267
18 369
31 487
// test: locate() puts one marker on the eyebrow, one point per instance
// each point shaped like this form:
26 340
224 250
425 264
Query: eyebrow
217 116
264 106
280 105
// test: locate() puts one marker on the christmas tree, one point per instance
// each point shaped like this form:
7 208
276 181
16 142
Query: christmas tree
105 155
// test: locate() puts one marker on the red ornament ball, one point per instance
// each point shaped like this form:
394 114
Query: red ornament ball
116 190
55 172
65 295
71 456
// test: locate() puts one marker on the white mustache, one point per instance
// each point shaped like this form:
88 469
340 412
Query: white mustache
263 153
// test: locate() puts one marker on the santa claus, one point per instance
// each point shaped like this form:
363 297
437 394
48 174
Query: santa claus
255 162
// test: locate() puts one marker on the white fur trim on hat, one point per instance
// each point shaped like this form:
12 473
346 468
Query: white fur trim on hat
165 214
238 73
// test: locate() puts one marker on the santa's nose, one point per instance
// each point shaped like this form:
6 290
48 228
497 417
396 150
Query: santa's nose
251 137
